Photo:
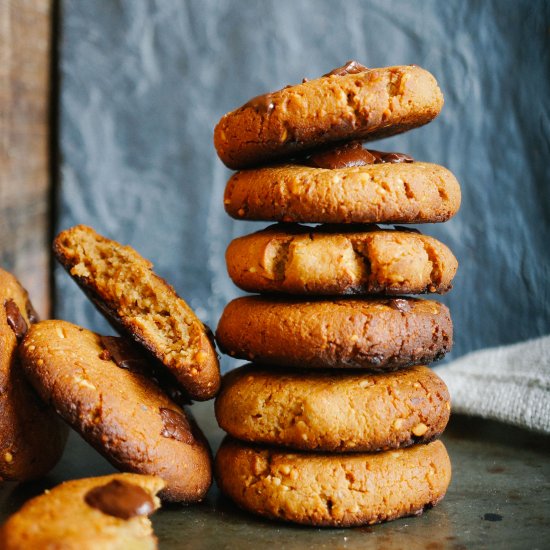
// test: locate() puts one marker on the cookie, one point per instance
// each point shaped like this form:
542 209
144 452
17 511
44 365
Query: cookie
143 306
32 437
415 192
345 333
324 411
108 512
340 260
351 102
100 387
336 490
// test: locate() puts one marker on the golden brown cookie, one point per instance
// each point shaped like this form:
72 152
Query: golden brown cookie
32 437
344 333
339 260
142 305
416 192
351 102
337 490
325 411
107 513
100 387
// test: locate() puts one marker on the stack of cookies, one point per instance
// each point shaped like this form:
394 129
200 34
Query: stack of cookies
336 420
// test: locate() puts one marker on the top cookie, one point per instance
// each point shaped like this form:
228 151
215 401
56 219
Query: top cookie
352 102
135 300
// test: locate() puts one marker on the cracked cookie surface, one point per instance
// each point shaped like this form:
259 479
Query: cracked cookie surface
324 411
338 490
116 407
346 333
338 260
124 288
418 192
32 437
108 512
366 105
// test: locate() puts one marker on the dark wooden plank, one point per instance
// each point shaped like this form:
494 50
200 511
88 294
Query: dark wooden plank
25 29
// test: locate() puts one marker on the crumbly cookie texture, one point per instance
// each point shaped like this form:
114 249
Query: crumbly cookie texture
345 333
335 260
124 287
337 490
108 512
324 411
419 192
366 105
105 394
32 437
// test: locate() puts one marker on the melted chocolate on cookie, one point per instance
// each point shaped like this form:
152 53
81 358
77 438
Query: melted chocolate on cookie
175 426
120 499
351 67
123 355
400 304
16 321
353 154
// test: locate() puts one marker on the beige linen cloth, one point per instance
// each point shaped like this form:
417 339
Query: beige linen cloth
509 383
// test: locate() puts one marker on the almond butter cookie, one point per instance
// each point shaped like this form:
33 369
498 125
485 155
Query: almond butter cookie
345 333
143 306
351 102
325 411
101 388
32 436
336 490
340 260
108 512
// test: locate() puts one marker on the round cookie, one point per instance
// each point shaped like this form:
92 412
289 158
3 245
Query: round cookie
98 386
416 192
339 260
143 306
351 102
336 490
325 411
345 333
108 512
32 437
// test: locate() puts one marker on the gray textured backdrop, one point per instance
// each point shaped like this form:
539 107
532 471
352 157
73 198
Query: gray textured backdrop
144 82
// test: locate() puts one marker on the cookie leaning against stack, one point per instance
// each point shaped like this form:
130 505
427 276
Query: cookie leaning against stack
323 430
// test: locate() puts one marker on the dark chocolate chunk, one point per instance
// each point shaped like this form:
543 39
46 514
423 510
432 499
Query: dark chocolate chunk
176 426
15 320
31 313
353 154
120 499
351 67
261 103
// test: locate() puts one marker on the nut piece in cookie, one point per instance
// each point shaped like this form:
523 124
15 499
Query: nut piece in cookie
336 412
333 489
375 334
340 260
349 103
98 386
146 308
32 437
108 512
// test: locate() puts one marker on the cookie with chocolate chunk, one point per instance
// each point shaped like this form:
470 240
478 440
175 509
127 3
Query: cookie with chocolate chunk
339 260
351 102
101 387
108 512
324 411
333 489
143 306
388 192
366 333
32 437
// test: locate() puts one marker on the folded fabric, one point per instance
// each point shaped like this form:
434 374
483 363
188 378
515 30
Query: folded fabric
508 383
